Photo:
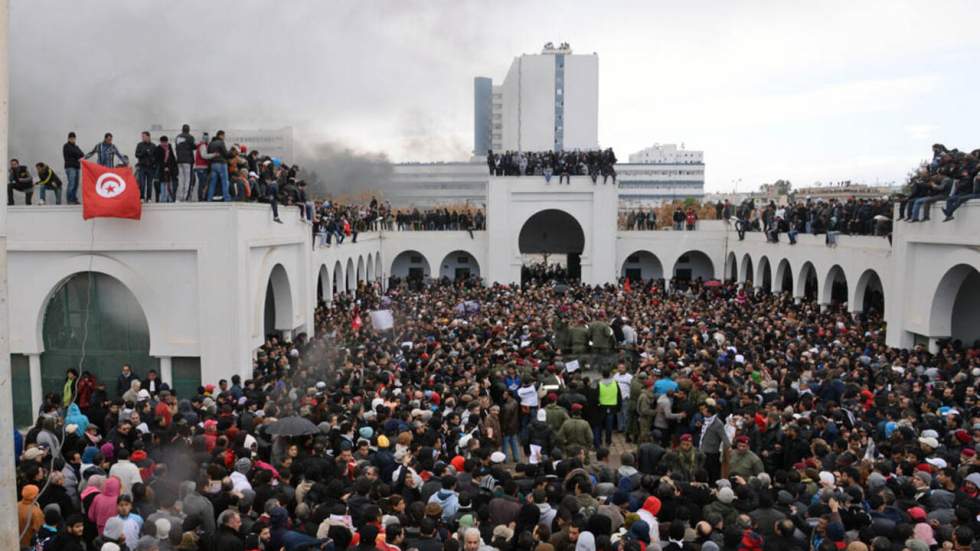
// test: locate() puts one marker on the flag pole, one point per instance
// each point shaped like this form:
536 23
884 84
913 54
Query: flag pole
9 526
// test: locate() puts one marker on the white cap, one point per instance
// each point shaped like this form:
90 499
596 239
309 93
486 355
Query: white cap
498 457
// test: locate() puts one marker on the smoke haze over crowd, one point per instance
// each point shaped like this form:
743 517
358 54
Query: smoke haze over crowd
828 91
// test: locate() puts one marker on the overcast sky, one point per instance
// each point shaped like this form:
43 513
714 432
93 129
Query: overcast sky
804 91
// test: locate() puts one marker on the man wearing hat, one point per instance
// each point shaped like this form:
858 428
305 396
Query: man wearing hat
685 460
744 462
575 431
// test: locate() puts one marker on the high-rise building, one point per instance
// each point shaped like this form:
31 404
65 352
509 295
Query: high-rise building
547 101
482 114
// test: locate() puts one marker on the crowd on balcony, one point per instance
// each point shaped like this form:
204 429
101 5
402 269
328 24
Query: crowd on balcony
484 421
952 176
564 164
812 216
334 222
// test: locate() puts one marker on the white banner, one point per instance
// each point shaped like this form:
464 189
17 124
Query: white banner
382 320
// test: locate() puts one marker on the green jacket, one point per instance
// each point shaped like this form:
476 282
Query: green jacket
555 416
745 465
685 464
727 511
580 339
602 337
575 431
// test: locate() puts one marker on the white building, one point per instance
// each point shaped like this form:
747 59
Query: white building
436 184
546 101
659 174
668 154
193 288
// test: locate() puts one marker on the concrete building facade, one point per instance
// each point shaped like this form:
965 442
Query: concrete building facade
546 101
194 289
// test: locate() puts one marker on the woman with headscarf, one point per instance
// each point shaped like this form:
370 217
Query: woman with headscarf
74 416
29 515
104 505
586 542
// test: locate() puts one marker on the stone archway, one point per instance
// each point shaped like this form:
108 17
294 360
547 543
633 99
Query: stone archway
869 294
324 290
351 276
338 278
807 285
458 265
746 273
278 303
784 277
642 266
955 310
834 287
411 265
731 267
693 265
763 278
100 313
549 237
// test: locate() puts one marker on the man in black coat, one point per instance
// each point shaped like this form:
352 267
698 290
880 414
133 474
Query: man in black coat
73 156
165 163
228 538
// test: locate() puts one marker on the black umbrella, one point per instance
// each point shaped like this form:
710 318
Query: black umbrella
292 426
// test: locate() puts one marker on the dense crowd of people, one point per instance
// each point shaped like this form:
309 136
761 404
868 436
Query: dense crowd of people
334 222
951 175
564 164
483 421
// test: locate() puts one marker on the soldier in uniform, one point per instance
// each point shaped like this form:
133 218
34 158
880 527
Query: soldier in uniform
575 431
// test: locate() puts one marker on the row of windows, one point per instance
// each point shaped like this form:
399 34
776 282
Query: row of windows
660 185
665 172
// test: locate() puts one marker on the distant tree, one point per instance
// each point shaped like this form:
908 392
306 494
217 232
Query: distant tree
783 187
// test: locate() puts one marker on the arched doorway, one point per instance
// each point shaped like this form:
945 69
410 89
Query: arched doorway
835 286
731 267
338 278
869 294
784 277
370 268
278 302
693 265
642 266
351 276
955 308
324 291
378 275
764 276
361 274
411 266
748 274
458 265
551 244
100 311
807 284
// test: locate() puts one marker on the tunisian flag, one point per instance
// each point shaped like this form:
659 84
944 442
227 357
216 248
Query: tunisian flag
109 192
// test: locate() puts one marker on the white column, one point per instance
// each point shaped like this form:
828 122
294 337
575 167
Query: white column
37 395
167 370
8 495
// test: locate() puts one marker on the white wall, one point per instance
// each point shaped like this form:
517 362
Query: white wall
200 271
581 101
537 103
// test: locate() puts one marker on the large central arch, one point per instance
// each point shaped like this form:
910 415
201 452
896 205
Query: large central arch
554 232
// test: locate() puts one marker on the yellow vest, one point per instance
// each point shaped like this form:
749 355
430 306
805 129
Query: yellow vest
607 393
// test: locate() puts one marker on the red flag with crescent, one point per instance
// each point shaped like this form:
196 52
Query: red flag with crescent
109 192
